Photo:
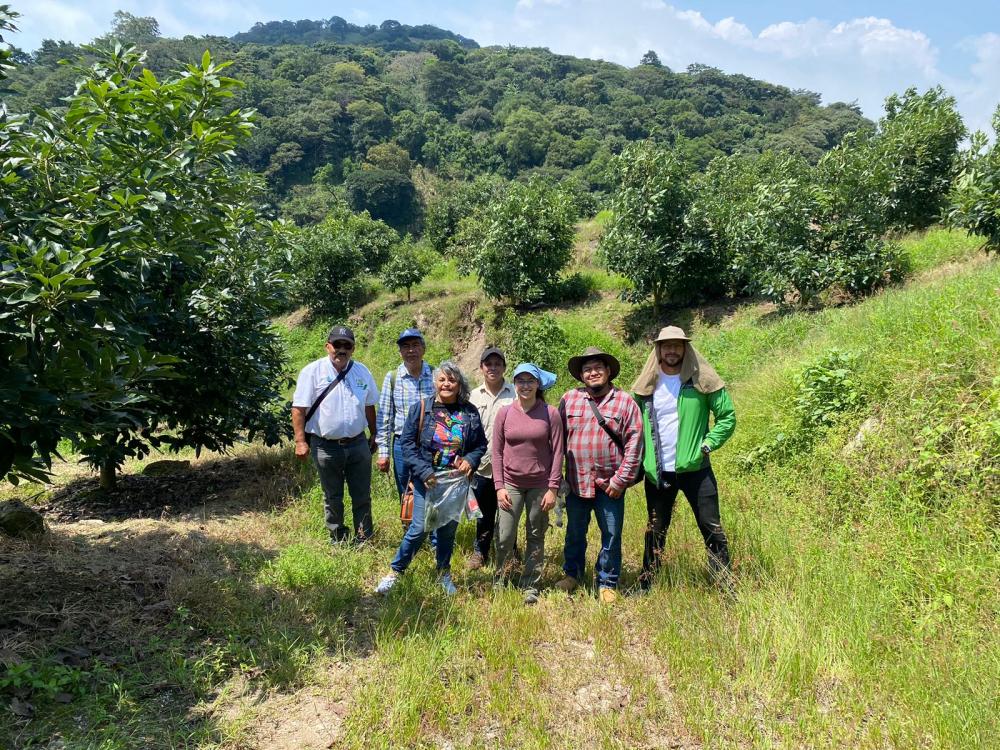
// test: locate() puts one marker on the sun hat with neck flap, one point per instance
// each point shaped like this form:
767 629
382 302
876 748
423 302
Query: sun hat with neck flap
694 367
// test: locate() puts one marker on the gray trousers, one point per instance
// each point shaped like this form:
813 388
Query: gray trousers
536 524
336 463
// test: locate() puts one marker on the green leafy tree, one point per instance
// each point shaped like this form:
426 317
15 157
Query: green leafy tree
386 195
974 201
649 241
327 269
137 303
918 142
407 265
390 157
525 242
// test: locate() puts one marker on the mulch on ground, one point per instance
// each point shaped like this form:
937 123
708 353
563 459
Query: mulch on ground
198 487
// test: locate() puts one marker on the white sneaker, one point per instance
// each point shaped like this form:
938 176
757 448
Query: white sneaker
448 585
387 583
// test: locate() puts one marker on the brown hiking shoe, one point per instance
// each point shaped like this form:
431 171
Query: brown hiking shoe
608 596
475 561
567 584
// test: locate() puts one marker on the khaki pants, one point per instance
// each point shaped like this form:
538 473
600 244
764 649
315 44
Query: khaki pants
536 524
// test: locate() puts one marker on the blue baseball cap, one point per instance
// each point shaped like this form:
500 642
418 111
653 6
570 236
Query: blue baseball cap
544 377
410 333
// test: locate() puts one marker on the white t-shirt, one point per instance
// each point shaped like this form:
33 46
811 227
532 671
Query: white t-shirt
668 389
342 412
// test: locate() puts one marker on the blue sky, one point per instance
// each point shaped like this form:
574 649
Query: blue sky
846 51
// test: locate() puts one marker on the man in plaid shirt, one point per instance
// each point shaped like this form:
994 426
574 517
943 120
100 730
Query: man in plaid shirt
601 463
401 389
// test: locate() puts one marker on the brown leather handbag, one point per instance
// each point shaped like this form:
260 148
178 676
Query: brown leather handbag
406 501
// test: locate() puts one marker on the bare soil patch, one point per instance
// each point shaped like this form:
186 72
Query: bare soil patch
208 487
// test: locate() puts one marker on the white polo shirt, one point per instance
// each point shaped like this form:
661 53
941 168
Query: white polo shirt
342 413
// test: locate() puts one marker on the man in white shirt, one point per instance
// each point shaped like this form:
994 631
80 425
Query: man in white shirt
334 401
489 398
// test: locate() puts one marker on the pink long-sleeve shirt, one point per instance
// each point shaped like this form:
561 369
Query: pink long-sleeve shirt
527 448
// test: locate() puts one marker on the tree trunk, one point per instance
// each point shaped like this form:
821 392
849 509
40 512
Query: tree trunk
108 475
407 294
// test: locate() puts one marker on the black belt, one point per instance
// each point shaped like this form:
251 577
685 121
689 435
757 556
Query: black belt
338 441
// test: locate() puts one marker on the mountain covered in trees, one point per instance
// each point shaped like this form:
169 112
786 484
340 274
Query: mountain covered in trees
332 98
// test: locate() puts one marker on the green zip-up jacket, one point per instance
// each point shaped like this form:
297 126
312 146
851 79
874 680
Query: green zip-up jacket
693 408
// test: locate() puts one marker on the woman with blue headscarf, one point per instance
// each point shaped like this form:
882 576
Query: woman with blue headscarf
527 471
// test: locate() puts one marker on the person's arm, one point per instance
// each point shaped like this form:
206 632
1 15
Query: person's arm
556 441
302 399
409 441
299 429
721 406
383 435
496 447
372 428
632 436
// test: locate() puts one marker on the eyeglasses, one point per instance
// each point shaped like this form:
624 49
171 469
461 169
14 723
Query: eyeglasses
523 383
344 345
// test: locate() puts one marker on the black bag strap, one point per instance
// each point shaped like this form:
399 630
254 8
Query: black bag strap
615 437
329 387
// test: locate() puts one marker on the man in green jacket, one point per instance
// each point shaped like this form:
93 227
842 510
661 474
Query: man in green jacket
677 390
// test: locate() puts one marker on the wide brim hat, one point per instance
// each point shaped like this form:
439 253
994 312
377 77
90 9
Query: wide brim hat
671 333
575 364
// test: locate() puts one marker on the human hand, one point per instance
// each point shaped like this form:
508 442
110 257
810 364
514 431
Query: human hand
301 450
464 466
372 445
383 465
549 500
503 500
430 481
609 488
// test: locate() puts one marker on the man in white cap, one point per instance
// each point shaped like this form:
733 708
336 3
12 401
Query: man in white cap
678 391
334 401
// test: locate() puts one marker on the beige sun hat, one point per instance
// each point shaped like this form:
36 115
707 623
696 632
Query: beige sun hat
671 333
694 368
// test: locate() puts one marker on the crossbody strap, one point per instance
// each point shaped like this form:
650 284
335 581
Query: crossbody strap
615 437
329 387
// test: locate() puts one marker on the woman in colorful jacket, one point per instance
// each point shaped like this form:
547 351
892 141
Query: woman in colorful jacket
527 450
451 437
677 391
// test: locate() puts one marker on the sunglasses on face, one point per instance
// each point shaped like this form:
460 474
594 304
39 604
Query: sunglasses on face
342 345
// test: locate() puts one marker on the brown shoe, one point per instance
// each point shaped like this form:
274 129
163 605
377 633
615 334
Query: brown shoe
475 561
567 584
608 596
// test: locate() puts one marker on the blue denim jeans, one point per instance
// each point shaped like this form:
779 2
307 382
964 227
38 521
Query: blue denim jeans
399 469
610 514
415 534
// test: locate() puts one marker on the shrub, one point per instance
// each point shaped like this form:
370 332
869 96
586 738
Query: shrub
648 240
407 266
526 240
327 269
535 338
974 201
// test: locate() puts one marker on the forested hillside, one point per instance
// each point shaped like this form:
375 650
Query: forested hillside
327 93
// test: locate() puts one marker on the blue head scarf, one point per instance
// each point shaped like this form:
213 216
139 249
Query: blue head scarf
545 378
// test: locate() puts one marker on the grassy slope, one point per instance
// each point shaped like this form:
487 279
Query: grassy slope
865 612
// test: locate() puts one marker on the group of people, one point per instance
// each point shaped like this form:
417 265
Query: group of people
519 454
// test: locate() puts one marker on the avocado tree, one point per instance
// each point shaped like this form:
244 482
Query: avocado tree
137 302
407 266
649 240
523 242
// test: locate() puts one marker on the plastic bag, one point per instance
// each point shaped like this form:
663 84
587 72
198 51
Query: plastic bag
472 509
446 500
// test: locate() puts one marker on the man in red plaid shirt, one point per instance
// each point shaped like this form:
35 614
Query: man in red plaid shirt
601 463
